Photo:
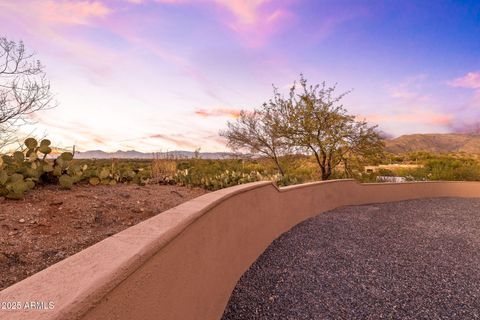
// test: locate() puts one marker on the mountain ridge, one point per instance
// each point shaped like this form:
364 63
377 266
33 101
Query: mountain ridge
428 142
435 143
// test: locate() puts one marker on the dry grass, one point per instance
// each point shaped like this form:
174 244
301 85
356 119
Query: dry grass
163 169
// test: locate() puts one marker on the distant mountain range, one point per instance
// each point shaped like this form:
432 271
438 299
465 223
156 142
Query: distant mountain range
431 142
435 143
133 154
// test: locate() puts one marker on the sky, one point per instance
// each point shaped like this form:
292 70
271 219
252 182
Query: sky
158 75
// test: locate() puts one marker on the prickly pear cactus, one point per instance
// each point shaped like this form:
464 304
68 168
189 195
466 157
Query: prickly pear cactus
45 147
35 164
22 170
65 181
94 181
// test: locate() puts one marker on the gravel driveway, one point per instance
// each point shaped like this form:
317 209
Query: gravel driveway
417 259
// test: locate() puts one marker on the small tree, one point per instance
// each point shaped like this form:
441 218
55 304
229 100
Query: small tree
315 121
23 88
258 133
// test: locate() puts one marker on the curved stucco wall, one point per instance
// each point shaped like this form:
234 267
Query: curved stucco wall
184 263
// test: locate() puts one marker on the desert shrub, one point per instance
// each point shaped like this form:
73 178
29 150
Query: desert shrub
452 169
386 172
24 169
221 173
413 174
300 168
285 180
195 178
163 171
435 167
113 171
367 177
34 164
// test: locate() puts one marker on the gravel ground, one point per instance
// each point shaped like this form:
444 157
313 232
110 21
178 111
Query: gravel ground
417 259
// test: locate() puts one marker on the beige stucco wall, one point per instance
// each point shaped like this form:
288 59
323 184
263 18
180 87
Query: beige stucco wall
184 263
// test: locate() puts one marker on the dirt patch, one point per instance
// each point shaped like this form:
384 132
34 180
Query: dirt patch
51 224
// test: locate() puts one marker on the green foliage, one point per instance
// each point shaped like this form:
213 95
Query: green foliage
452 169
94 181
65 181
27 168
111 172
218 174
310 119
24 169
45 143
386 172
431 167
18 156
31 143
195 178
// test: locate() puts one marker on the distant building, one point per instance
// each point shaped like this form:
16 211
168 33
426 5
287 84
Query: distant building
391 179
372 169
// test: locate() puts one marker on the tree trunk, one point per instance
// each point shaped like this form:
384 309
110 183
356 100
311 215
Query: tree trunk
279 167
326 173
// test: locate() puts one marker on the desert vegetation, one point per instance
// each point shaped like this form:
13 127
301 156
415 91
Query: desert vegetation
434 166
216 174
29 167
305 135
311 120
34 165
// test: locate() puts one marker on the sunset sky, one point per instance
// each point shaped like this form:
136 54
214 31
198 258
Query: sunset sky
157 75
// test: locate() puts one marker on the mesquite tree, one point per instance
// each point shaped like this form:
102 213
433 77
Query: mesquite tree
258 133
315 121
24 88
311 120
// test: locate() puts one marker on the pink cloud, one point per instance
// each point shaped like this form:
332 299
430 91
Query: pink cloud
218 112
179 140
83 134
415 105
246 12
406 94
173 1
255 21
68 12
471 80
169 56
411 89
476 99
55 28
421 117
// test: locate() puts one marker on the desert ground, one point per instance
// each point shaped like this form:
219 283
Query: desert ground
50 224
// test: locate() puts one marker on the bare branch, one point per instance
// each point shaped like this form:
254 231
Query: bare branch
24 88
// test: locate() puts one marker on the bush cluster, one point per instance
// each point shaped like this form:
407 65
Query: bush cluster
34 164
24 169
